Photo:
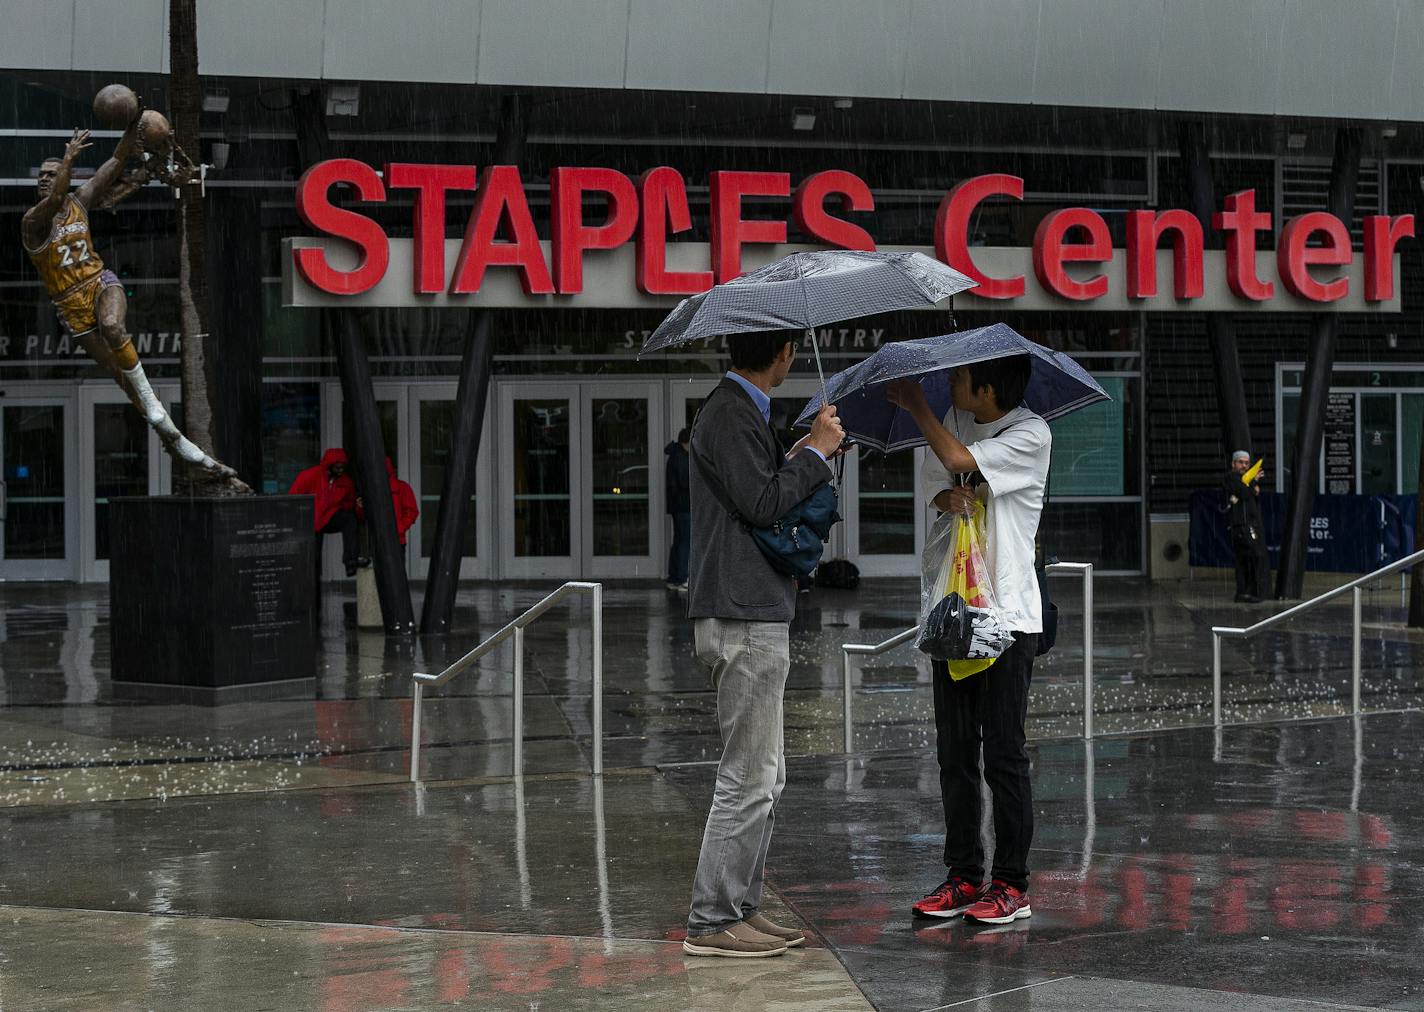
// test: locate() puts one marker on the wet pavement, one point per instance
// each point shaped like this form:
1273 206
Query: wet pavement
273 855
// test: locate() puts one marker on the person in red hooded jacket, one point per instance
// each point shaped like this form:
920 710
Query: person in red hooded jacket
403 499
335 507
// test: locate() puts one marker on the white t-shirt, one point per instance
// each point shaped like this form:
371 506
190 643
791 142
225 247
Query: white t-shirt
1014 464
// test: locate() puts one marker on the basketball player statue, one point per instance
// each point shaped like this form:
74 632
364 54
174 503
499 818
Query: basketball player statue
89 299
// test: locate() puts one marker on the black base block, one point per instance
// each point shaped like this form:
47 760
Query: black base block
209 595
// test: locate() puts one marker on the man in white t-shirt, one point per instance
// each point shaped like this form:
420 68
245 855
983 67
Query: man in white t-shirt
992 448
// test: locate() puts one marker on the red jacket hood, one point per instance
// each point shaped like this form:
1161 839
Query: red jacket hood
335 455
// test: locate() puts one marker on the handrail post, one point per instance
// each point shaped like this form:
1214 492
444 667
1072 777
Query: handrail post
846 732
518 701
598 679
1355 646
417 697
1216 678
1088 651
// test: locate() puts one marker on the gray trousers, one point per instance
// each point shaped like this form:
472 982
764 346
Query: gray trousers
748 662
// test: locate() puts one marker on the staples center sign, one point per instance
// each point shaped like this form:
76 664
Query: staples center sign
626 260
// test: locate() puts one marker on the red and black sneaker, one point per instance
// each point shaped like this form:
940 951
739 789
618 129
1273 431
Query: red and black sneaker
950 898
1000 904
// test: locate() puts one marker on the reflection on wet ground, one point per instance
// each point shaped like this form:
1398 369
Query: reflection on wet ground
1152 657
273 855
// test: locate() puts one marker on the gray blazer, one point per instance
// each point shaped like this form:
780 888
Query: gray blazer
734 450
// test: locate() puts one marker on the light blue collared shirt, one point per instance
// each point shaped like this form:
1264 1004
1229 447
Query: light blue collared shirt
762 400
759 397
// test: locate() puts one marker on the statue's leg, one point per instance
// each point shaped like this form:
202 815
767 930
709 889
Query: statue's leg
111 312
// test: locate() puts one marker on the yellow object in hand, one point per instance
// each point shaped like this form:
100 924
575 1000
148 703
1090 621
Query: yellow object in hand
1252 473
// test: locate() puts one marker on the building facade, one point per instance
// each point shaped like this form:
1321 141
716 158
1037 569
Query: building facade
826 123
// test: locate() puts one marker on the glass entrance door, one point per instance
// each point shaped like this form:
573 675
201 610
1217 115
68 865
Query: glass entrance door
431 425
121 456
576 486
39 530
417 421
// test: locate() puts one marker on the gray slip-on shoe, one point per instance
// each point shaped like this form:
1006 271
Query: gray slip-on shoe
791 936
738 941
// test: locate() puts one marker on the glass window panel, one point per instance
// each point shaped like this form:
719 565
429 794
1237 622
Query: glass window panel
437 421
1107 534
33 438
1378 449
120 463
1094 448
620 476
541 478
887 503
1412 430
291 433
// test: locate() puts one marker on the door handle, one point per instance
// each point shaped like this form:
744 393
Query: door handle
4 500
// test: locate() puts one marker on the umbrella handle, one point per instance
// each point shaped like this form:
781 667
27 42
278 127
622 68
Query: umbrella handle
816 352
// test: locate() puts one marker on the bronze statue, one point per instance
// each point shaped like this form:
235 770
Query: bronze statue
89 299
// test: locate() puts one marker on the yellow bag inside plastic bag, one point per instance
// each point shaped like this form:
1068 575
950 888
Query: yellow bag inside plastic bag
960 578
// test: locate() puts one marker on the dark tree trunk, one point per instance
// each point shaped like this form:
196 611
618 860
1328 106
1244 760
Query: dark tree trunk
369 459
1315 390
236 346
1220 331
470 399
1416 584
186 97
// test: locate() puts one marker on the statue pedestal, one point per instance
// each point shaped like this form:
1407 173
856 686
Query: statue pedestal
212 600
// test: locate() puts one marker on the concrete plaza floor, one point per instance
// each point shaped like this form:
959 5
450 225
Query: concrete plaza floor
274 855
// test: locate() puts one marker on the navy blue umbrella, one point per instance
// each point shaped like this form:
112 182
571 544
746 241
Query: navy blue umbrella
1056 386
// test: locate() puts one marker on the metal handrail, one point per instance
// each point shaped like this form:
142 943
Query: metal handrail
516 629
849 650
1220 632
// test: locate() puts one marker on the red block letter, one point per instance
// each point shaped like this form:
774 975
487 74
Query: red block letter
809 213
1144 229
664 200
1381 234
430 182
501 196
1051 252
319 214
1294 257
729 230
571 236
952 231
1241 222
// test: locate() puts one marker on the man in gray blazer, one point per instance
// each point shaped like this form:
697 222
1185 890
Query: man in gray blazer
743 608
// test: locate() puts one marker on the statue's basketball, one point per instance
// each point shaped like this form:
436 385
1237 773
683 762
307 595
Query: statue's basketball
115 106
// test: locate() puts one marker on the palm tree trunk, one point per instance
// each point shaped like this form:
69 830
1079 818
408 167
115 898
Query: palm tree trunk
185 107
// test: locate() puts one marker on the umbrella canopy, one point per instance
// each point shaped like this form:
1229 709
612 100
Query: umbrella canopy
806 290
1057 385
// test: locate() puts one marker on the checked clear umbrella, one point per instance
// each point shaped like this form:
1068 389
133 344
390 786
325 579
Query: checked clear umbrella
1058 385
807 290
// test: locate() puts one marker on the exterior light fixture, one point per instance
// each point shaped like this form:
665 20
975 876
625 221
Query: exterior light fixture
1295 141
844 103
343 100
803 118
216 100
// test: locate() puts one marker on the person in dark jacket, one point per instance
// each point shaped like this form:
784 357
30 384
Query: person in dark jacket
1242 503
742 610
334 511
679 507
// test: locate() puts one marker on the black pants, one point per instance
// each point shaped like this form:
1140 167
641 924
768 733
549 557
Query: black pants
1252 566
343 523
988 710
